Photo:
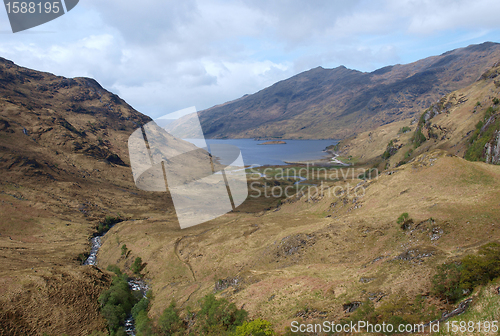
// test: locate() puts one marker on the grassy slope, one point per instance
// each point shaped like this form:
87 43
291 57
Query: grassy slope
53 195
297 258
453 126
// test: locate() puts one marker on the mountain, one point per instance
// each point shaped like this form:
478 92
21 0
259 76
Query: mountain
336 103
317 255
465 122
65 169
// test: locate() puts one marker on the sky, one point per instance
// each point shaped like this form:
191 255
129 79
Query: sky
162 56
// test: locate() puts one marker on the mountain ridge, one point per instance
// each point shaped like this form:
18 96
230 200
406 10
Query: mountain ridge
339 102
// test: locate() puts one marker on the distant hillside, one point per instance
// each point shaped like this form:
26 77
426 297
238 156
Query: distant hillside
336 103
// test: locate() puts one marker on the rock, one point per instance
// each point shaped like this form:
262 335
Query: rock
352 306
366 280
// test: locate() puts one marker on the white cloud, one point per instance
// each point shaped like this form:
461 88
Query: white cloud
162 56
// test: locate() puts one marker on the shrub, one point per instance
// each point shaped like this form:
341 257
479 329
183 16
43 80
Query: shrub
116 303
369 174
390 150
404 220
404 129
137 266
496 101
480 269
218 316
143 324
256 327
124 249
446 282
169 322
115 269
107 223
142 305
82 257
418 138
475 152
454 280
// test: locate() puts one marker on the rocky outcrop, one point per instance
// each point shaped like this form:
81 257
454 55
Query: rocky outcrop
492 149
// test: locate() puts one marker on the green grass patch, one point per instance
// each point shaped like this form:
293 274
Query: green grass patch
453 281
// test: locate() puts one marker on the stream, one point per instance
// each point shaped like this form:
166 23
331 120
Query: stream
134 283
139 284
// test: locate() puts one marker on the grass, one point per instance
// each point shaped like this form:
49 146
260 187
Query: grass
324 273
483 309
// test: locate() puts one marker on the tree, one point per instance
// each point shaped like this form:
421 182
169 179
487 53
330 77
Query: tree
170 323
218 316
116 303
124 249
143 325
403 218
256 327
137 266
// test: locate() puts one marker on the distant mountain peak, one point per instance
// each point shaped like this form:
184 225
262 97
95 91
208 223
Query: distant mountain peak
338 102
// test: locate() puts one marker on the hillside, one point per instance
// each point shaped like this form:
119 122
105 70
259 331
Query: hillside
336 103
313 255
333 250
464 122
65 167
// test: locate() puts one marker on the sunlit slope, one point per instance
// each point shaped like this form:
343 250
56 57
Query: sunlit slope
450 124
317 252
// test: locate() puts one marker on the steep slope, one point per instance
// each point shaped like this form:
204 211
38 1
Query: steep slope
335 103
464 122
65 167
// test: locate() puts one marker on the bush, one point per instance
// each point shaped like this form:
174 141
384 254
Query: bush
390 150
496 101
446 282
403 218
124 249
137 266
418 138
475 152
452 281
140 306
116 303
115 269
217 317
480 269
369 174
256 327
107 223
404 129
143 324
170 323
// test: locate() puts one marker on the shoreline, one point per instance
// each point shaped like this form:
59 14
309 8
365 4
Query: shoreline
331 160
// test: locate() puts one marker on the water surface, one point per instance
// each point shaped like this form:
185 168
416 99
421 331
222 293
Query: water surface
294 150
